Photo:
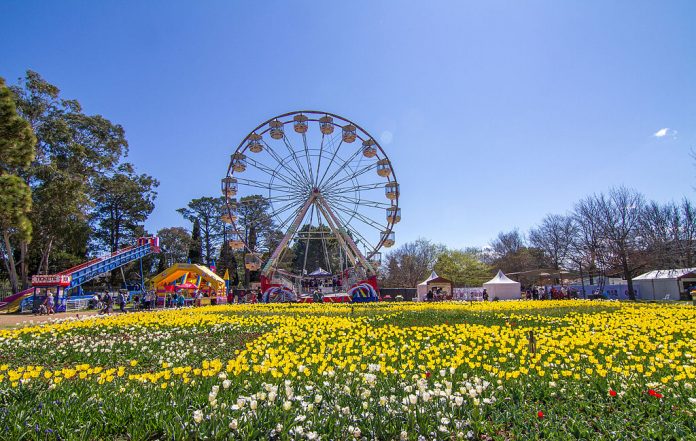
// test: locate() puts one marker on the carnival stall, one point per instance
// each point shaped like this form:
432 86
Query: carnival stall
189 279
434 284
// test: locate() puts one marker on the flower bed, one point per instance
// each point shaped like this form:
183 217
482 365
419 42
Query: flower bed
592 370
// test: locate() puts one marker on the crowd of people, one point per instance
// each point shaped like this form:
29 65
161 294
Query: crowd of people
312 284
548 293
438 295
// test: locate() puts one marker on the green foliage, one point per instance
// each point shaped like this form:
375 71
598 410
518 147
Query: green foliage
321 251
17 140
463 268
206 211
16 153
194 252
74 152
15 203
175 243
255 222
123 201
228 261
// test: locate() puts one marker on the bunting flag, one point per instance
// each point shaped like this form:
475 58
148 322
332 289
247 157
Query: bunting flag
226 278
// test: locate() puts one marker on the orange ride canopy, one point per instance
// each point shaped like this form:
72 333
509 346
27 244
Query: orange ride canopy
179 270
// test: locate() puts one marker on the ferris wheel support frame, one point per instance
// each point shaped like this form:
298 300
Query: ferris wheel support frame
349 243
344 239
290 233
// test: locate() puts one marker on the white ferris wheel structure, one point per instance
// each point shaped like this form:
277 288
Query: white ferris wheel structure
324 178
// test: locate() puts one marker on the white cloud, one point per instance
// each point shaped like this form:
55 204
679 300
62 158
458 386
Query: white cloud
666 131
662 132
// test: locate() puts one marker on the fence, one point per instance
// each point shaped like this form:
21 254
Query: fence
77 303
468 294
5 289
407 293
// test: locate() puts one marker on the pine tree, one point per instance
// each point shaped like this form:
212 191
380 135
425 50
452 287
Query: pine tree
17 150
194 253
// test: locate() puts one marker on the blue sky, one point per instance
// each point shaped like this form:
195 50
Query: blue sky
496 112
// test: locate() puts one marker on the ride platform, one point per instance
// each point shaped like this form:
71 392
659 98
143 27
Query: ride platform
340 297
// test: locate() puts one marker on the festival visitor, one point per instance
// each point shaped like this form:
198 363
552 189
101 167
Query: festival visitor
429 296
48 302
485 295
122 301
108 302
146 300
198 297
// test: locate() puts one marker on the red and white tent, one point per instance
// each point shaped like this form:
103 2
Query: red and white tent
433 282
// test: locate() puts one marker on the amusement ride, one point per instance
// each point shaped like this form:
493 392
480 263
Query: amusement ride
322 178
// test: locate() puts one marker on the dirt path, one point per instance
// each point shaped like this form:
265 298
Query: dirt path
13 320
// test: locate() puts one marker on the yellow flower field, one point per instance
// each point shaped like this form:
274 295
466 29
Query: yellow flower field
592 370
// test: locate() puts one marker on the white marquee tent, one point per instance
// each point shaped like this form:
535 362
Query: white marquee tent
664 284
502 287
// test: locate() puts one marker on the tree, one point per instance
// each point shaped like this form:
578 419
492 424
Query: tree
228 262
657 234
206 211
72 151
508 243
255 222
683 227
588 250
175 243
315 247
123 201
410 263
256 227
554 237
619 214
195 244
511 253
17 143
463 268
668 234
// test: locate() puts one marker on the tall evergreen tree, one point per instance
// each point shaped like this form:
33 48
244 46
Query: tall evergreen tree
206 211
194 252
17 143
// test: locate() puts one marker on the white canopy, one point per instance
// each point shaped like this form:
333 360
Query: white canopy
664 284
502 287
673 274
433 276
320 272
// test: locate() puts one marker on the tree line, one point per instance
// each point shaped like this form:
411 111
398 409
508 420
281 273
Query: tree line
67 189
617 233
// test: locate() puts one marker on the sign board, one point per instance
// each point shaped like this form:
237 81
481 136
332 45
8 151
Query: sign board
51 280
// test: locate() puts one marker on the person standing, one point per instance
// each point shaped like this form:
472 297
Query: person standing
50 302
122 301
109 304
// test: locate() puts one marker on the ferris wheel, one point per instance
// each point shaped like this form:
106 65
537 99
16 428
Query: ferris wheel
322 178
